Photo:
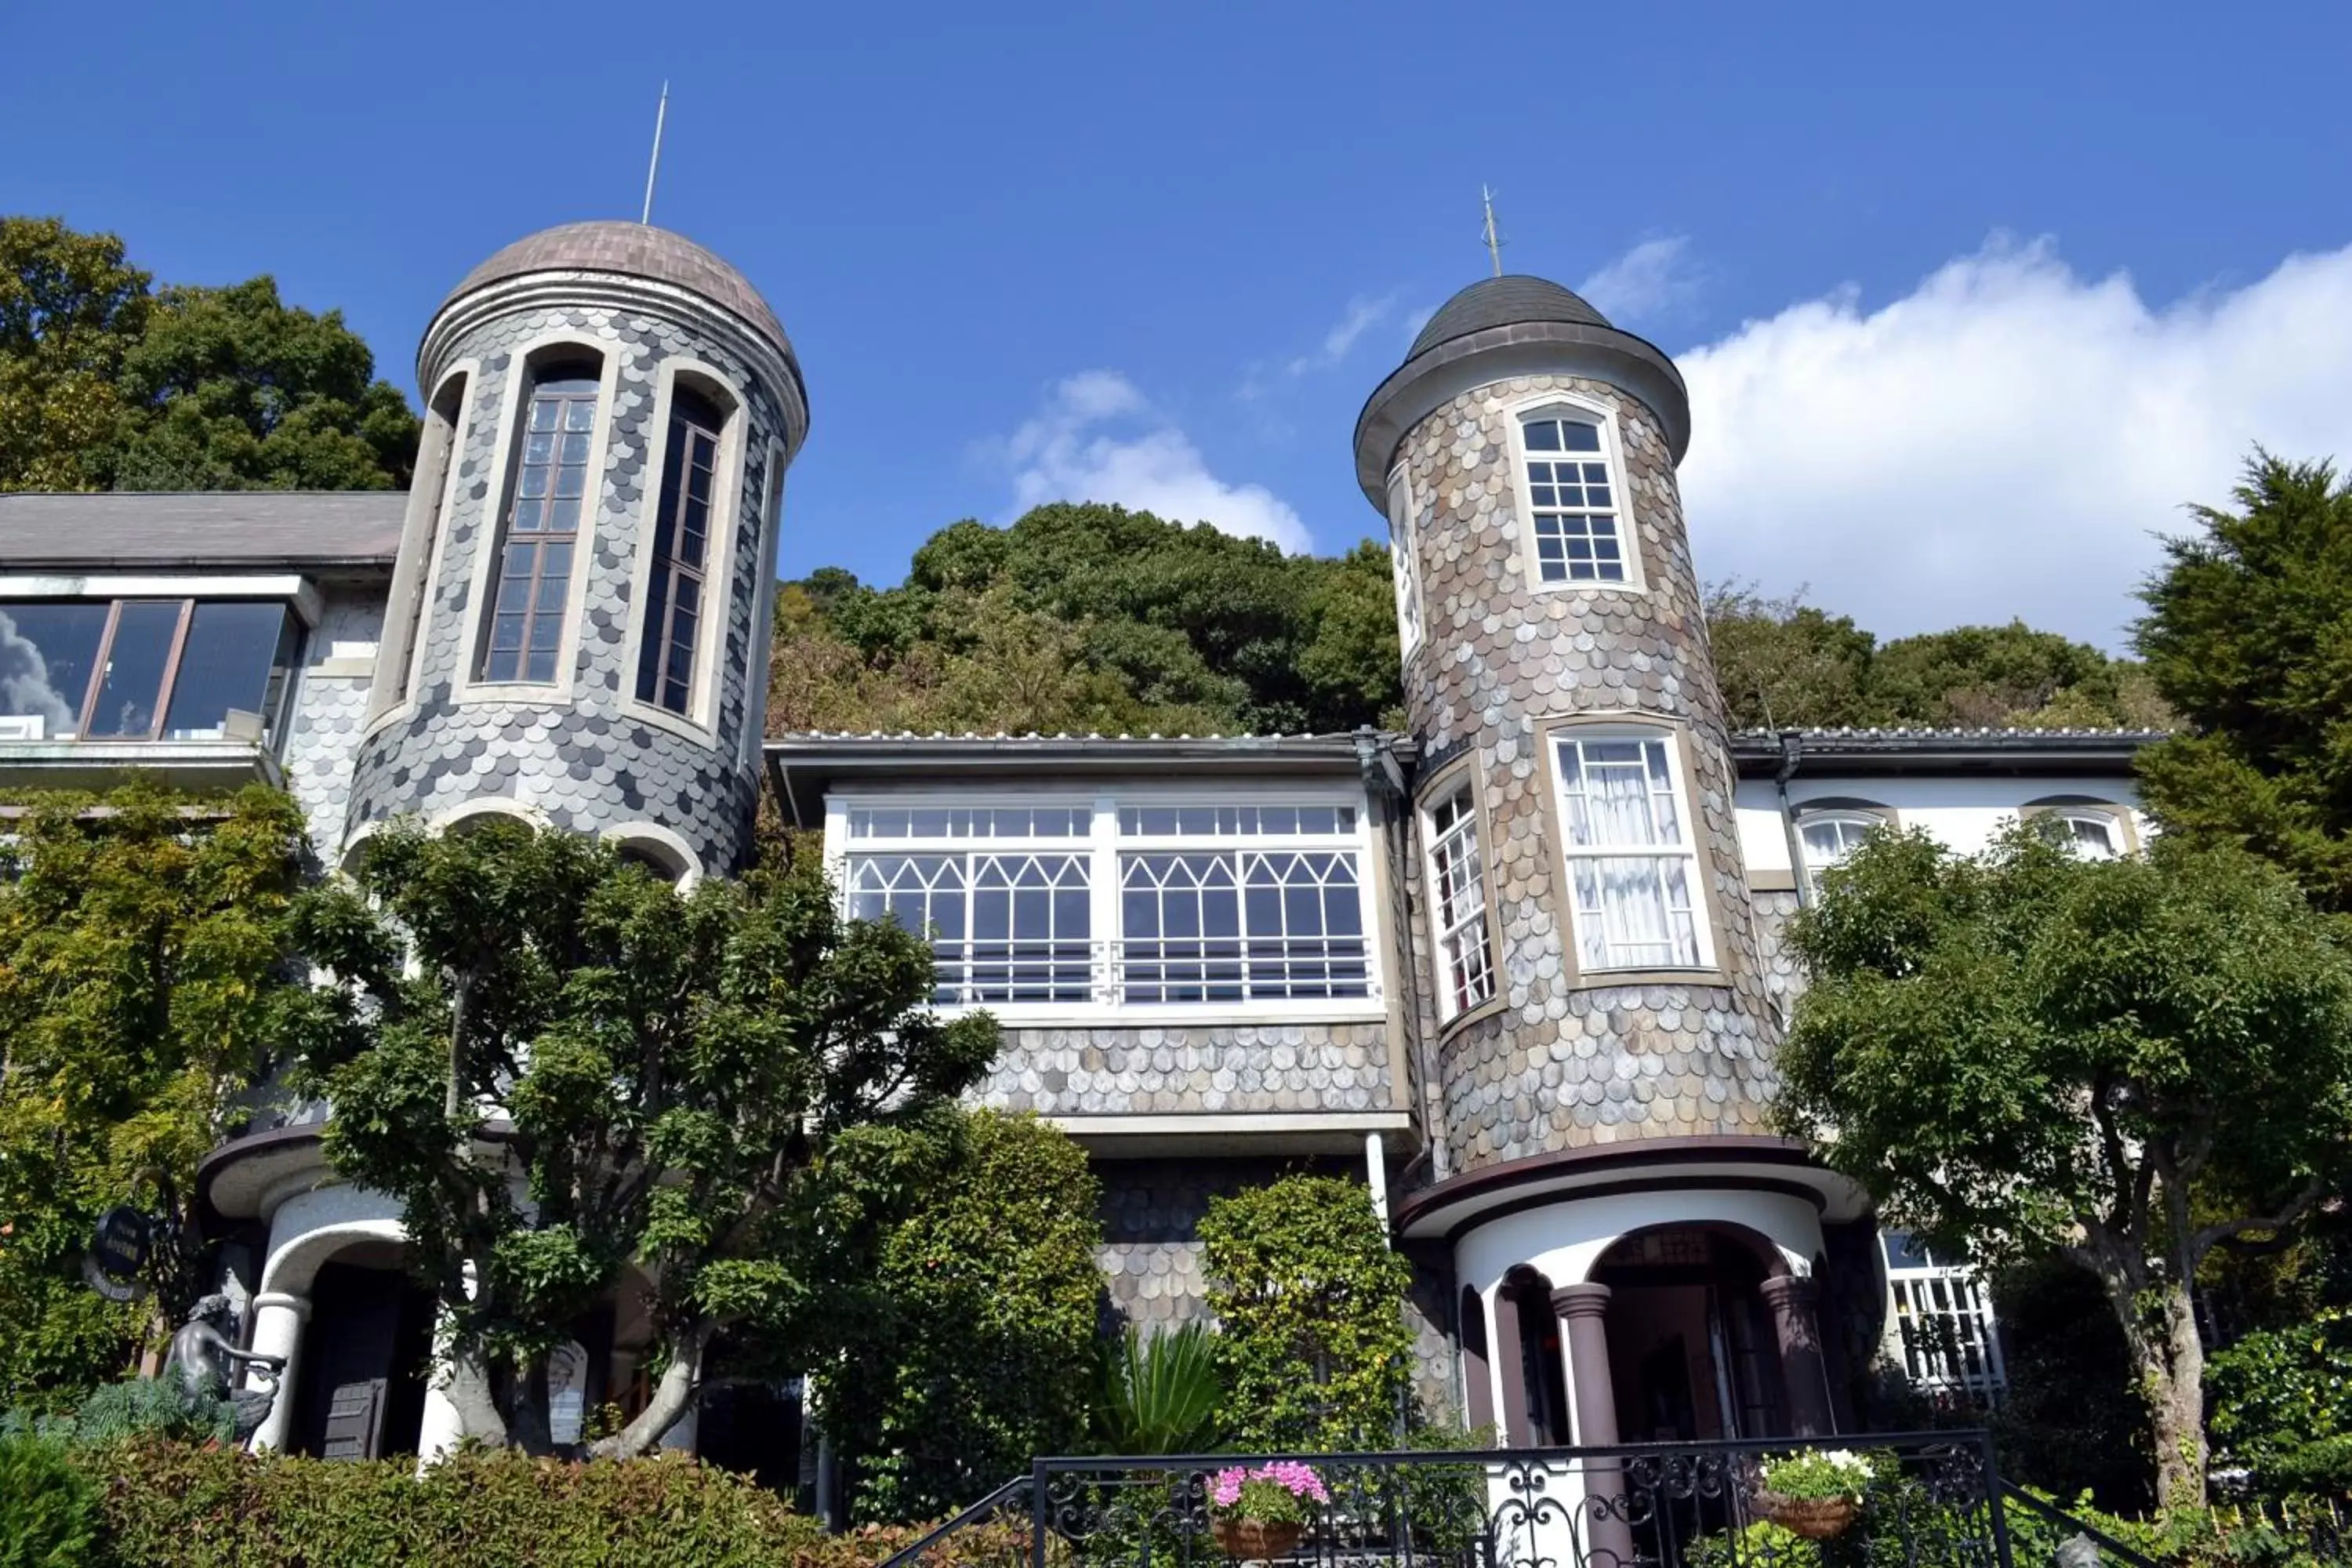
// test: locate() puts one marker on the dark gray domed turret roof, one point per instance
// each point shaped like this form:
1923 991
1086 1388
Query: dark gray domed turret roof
633 250
1505 301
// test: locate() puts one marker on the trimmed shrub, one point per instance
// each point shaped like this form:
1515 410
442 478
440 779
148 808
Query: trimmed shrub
137 1407
48 1516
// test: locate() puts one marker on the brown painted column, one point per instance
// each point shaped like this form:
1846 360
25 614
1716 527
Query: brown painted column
1583 1321
1803 1376
1510 1351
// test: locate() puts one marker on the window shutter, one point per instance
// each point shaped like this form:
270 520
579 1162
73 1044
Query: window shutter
354 1416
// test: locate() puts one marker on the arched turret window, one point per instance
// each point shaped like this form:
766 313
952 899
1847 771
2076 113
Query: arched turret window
685 569
533 593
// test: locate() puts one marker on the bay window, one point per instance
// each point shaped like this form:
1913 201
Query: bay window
1144 904
144 669
1631 852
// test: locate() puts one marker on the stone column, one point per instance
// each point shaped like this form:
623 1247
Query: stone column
277 1319
1583 1321
1803 1376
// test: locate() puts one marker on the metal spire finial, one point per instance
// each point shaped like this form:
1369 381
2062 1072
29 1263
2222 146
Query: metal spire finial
1494 237
661 114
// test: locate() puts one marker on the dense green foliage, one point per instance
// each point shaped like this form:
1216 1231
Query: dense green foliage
48 1510
1162 1393
106 383
711 1086
1784 664
135 1407
1087 617
143 983
2125 1063
2282 1403
2248 636
1314 1345
2071 1422
969 1338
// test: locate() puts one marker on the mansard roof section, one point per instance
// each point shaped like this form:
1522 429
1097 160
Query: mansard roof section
236 530
1765 753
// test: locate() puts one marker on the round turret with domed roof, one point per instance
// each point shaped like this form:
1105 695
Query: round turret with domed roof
1590 949
579 623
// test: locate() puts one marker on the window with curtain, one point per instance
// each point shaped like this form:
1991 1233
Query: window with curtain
533 587
1572 501
1401 564
1457 889
1632 854
2091 834
683 515
1830 838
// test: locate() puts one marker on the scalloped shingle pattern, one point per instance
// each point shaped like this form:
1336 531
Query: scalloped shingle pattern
1210 1069
1151 1211
327 713
586 762
1562 1064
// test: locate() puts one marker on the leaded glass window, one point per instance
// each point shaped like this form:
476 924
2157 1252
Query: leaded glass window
683 514
1221 926
535 552
1003 927
1457 886
1631 859
1572 502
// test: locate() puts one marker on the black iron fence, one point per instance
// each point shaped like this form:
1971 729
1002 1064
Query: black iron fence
1931 1501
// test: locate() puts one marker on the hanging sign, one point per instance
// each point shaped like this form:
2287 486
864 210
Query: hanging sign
118 1250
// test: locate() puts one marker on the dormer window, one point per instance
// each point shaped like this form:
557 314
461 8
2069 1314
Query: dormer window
1575 512
533 596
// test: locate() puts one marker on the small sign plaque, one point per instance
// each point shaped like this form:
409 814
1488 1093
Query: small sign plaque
121 1246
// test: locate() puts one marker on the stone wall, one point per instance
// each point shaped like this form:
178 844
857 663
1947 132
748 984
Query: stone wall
1567 1060
328 711
585 763
1151 1213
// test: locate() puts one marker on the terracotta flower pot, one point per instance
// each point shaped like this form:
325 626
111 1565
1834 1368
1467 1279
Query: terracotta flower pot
1814 1518
1255 1539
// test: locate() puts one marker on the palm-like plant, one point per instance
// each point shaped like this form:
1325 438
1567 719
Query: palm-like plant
1160 1392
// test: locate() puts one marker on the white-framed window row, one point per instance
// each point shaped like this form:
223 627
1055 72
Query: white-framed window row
1636 886
1402 565
1940 1327
1457 900
1133 904
1568 476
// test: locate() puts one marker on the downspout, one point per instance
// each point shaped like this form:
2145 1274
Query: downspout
1792 753
1384 778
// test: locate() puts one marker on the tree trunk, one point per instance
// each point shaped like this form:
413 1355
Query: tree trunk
670 1397
528 1423
2172 1366
469 1392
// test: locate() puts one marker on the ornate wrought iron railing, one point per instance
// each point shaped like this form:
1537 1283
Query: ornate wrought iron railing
1935 1501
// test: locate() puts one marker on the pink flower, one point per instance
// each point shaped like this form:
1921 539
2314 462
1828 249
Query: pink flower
1225 1487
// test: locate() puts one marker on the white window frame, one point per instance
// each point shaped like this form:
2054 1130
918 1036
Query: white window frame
1105 847
1460 917
1942 1331
1564 406
700 719
1402 564
1690 852
1842 818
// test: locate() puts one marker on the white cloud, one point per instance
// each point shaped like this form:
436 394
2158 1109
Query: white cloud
1364 312
1655 278
2004 440
1098 438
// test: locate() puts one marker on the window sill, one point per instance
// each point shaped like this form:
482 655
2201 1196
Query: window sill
189 764
1463 1020
636 712
1187 1014
1618 979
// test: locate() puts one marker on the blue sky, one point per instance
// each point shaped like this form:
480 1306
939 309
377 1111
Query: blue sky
1969 300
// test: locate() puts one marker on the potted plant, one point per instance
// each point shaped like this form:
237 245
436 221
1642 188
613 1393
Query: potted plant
1814 1492
1261 1513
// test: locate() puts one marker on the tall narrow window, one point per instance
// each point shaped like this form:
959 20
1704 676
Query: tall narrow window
682 528
442 421
1407 570
1457 886
1572 501
1631 859
550 487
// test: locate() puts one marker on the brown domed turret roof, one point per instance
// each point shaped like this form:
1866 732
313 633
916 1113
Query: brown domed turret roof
1505 301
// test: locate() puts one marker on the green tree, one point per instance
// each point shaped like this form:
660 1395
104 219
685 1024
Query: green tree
70 307
1979 675
706 1085
144 986
2248 635
105 385
975 1325
2122 1063
1783 664
1310 1297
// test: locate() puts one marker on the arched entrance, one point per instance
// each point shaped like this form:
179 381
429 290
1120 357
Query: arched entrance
367 1349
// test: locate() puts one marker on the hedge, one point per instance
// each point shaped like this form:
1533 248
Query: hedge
162 1503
